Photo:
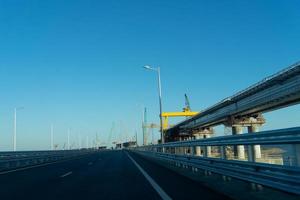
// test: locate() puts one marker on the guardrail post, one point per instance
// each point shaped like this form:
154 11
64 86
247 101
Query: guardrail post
226 178
205 154
184 149
223 152
256 187
293 159
297 152
194 150
176 150
191 148
250 152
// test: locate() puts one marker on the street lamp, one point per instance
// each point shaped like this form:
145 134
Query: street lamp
69 131
52 137
15 128
160 99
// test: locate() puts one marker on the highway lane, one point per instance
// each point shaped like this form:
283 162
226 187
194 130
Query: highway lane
101 175
177 186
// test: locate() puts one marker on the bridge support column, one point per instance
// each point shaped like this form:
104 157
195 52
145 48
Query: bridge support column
239 151
252 123
202 134
192 152
208 148
255 150
198 149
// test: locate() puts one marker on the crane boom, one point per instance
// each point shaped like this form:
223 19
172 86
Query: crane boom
187 104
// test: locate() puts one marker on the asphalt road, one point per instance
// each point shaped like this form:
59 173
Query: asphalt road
101 175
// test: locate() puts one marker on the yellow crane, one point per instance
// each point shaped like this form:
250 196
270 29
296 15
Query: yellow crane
187 112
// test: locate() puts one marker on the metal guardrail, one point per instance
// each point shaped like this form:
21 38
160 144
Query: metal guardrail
15 160
282 177
282 136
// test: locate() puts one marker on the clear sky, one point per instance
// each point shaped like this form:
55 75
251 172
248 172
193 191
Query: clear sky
78 63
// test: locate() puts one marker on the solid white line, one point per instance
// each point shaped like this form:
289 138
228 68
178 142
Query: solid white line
67 174
156 187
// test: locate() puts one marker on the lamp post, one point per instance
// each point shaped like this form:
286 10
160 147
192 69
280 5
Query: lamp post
52 137
69 130
79 141
157 70
15 128
87 142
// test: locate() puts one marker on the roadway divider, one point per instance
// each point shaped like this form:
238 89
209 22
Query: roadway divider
16 160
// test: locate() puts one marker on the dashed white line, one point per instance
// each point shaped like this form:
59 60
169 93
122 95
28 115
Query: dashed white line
65 175
156 187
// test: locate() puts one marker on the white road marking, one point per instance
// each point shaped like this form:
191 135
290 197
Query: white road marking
90 163
65 175
31 167
156 187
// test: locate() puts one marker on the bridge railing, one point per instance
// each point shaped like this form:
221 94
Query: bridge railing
286 71
15 160
270 158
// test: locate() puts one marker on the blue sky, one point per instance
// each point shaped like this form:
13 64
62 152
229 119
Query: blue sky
78 63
